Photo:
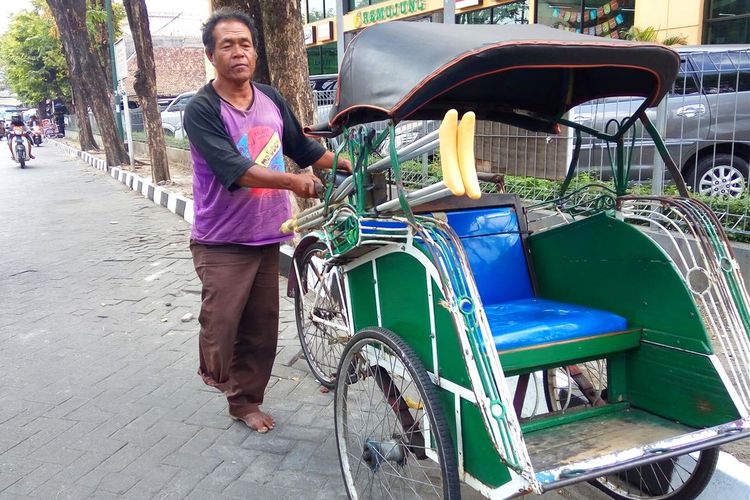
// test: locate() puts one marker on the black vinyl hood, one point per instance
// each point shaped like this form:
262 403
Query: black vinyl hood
523 75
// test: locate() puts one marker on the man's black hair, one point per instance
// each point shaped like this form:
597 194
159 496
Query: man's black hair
226 14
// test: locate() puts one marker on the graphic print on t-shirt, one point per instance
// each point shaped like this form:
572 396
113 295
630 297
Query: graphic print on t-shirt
263 146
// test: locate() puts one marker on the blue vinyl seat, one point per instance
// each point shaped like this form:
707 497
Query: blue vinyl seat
492 240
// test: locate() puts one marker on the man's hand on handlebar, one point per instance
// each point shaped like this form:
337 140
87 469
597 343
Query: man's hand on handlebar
306 185
344 165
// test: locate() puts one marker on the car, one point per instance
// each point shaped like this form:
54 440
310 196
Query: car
171 117
707 129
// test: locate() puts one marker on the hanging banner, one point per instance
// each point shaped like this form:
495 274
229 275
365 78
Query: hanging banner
601 21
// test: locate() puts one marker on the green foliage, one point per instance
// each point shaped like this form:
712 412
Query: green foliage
172 142
32 56
96 21
651 35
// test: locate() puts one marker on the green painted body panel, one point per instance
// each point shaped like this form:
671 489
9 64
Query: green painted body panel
480 458
679 385
617 380
604 263
450 361
522 361
362 290
404 308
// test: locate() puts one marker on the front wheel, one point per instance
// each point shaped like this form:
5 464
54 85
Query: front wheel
320 312
392 437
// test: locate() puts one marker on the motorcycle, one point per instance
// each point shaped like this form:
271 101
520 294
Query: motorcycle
18 138
36 135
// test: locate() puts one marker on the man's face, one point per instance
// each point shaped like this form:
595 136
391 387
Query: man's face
234 55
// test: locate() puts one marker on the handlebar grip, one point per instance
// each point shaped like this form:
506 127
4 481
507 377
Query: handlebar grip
320 190
289 226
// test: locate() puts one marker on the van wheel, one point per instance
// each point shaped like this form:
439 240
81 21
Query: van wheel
168 133
720 175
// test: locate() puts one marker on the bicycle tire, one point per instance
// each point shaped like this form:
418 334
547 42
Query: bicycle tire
383 341
323 363
690 489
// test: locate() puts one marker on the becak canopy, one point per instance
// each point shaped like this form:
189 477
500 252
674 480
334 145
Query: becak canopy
523 75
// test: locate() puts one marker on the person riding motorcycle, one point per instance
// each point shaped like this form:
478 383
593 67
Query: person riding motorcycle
17 121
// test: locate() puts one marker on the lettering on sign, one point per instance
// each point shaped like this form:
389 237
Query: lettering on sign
393 10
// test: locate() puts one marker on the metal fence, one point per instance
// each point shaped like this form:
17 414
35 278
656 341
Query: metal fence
705 120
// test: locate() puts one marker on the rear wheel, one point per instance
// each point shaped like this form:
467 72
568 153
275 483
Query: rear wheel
682 477
392 437
320 311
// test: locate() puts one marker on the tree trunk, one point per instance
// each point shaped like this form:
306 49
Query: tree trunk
85 134
287 64
102 49
286 56
70 17
145 87
253 9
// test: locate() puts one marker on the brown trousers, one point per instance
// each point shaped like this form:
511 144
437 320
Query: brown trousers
239 320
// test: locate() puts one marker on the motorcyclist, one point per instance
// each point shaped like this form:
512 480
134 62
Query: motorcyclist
17 121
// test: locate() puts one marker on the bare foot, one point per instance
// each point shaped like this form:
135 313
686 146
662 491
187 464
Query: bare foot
257 420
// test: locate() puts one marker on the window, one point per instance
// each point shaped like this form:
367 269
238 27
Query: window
322 60
685 83
727 21
608 18
316 10
358 4
511 13
722 72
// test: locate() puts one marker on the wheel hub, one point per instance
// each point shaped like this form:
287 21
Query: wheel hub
375 453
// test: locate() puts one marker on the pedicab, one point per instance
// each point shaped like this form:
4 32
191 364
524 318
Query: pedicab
429 310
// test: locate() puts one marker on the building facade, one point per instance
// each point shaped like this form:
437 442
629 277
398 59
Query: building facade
331 24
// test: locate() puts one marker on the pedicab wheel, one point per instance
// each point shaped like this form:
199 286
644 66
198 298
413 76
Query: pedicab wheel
320 312
683 477
584 384
391 434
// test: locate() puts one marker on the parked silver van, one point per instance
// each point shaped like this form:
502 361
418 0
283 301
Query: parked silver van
707 122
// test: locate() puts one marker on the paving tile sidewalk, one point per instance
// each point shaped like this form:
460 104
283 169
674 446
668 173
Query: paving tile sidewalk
99 395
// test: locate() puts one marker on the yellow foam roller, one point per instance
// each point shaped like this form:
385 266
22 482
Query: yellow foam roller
466 162
289 226
447 134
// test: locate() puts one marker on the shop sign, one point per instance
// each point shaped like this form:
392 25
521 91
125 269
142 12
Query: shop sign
324 31
462 4
309 32
393 10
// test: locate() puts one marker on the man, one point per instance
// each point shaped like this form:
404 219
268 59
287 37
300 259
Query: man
239 131
17 121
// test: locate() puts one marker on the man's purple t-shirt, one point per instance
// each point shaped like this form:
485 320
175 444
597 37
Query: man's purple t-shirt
224 212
